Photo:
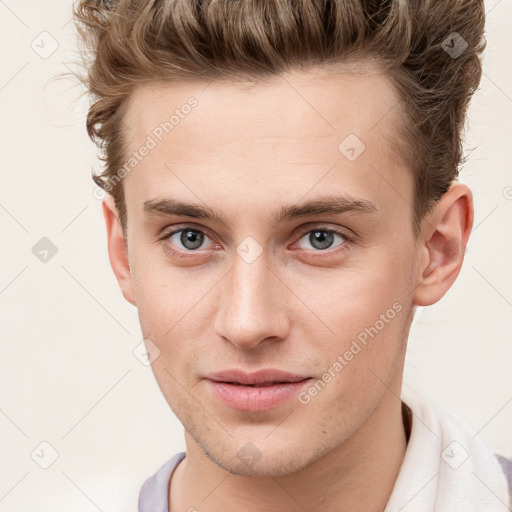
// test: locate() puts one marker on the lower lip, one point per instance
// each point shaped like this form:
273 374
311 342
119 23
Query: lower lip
255 399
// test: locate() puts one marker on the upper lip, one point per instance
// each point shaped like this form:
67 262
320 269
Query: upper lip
259 377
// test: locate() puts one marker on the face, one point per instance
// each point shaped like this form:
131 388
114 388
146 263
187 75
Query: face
324 293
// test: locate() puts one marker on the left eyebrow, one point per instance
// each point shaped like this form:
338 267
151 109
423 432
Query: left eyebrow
324 205
327 205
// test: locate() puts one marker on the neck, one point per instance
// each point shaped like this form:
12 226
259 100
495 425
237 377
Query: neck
358 475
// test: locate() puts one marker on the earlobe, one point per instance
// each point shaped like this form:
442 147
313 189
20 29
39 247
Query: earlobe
117 249
445 237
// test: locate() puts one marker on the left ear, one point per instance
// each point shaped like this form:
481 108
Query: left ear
444 236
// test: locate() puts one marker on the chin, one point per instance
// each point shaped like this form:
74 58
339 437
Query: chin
269 461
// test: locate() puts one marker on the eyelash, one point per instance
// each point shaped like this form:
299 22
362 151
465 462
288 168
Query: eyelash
345 246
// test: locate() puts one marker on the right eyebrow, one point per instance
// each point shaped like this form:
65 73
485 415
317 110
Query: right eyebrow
169 206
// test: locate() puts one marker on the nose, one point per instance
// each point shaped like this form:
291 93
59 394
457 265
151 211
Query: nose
253 302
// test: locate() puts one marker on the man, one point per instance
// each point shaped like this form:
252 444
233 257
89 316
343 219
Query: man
283 194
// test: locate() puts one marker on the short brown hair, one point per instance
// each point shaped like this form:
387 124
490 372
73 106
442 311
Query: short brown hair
430 50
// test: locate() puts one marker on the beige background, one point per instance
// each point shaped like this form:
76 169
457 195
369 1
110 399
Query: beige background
68 375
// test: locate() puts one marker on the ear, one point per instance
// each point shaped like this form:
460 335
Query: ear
442 244
117 249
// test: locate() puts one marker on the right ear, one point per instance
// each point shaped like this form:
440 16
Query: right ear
117 249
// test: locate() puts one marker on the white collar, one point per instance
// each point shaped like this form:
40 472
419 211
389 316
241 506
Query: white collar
446 467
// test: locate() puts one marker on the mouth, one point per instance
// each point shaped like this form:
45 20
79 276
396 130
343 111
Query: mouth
255 397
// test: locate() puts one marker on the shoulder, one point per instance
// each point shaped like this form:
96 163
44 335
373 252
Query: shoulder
506 465
153 495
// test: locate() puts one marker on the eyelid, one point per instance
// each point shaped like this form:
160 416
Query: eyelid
346 233
172 230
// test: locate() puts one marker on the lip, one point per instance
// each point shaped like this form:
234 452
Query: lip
232 387
259 377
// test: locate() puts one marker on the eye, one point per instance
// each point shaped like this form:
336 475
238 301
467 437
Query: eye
186 239
183 241
322 238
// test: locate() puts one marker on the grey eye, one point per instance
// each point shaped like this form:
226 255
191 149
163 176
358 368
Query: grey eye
321 239
190 239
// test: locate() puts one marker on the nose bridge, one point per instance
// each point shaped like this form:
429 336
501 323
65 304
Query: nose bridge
252 308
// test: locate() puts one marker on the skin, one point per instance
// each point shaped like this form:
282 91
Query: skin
245 151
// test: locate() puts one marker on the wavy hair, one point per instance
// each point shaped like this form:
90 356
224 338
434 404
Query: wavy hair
128 42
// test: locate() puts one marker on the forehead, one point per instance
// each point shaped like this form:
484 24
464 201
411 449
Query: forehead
330 99
286 131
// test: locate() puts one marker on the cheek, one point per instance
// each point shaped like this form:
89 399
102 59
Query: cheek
156 289
361 362
355 296
362 315
172 311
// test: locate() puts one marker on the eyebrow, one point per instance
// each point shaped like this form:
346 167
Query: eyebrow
324 205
